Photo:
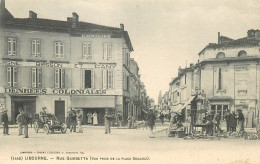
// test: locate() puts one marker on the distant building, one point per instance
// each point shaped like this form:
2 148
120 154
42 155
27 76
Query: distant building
226 77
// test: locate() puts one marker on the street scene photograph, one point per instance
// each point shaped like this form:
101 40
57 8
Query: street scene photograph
130 81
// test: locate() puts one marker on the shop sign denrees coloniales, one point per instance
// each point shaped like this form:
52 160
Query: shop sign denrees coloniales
55 91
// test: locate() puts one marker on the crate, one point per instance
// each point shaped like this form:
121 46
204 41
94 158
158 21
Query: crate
181 134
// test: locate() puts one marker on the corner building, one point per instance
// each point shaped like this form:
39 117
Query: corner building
62 65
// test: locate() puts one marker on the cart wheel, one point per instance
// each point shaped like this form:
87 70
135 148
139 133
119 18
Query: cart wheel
46 128
36 127
63 128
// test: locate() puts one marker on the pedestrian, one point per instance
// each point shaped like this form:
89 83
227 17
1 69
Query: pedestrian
4 119
151 122
119 119
228 120
240 121
19 122
216 121
79 120
72 121
161 117
108 118
209 124
189 125
233 122
43 114
25 122
130 120
95 118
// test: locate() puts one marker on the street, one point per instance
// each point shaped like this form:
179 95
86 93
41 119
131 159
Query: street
123 145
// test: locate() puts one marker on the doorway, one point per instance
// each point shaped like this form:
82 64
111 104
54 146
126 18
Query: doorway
60 110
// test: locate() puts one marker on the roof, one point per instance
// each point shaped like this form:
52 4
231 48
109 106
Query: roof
230 59
242 42
64 27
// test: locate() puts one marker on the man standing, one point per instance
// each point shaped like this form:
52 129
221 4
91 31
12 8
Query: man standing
228 120
108 118
25 122
43 114
19 122
73 121
151 122
79 120
4 119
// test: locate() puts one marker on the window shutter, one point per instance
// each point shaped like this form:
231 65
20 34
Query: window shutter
105 51
9 47
83 79
89 51
9 76
15 76
63 75
110 79
39 77
92 79
109 51
104 79
34 77
14 47
56 49
34 47
38 48
62 50
84 51
56 77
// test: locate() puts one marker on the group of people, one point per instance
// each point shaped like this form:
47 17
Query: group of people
74 118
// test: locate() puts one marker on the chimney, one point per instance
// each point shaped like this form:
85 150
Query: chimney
32 15
179 70
219 38
251 33
2 10
75 19
191 64
122 26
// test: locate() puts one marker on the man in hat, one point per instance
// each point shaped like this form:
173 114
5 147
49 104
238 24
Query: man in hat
19 122
4 119
151 122
79 120
108 118
43 114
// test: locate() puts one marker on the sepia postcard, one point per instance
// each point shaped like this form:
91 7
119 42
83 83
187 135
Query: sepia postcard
130 81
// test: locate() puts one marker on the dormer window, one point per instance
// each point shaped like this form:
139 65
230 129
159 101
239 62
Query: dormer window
242 54
220 55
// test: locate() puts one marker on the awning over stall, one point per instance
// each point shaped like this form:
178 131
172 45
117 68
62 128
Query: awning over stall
93 101
188 102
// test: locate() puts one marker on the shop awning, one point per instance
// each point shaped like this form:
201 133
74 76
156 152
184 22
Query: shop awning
176 108
188 102
93 101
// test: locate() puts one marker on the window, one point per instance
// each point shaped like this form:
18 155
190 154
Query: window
107 51
88 78
220 55
86 51
220 109
36 77
108 79
219 78
185 79
12 76
59 50
127 83
59 78
36 48
242 54
11 47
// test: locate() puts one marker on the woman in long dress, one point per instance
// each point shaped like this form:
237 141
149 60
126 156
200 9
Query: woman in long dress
95 118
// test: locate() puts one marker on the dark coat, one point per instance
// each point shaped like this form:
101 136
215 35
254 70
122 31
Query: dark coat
233 120
4 118
151 119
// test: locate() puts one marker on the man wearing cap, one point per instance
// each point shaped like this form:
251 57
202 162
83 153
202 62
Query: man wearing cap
108 118
4 119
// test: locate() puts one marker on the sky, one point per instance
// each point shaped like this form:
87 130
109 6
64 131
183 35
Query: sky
165 34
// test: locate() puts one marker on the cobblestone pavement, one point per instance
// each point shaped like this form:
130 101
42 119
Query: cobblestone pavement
123 146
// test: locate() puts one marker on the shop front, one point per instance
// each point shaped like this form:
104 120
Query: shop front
93 106
26 103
